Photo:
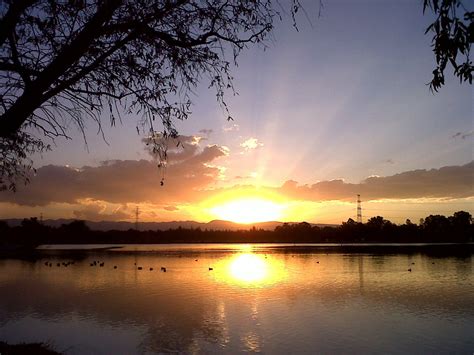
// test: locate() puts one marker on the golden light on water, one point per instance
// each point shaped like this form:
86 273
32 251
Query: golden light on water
250 270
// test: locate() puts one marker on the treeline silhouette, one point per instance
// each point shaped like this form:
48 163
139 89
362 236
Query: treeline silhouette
458 228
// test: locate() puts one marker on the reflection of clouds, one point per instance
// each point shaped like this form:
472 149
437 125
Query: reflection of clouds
190 309
215 333
172 315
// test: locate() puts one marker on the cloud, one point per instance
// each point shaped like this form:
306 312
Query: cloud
463 135
251 143
206 132
189 170
97 211
177 149
111 190
389 161
447 182
251 175
232 127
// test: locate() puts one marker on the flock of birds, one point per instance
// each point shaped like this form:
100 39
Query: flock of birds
65 264
102 264
162 269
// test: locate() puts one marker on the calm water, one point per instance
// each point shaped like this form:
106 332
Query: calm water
256 299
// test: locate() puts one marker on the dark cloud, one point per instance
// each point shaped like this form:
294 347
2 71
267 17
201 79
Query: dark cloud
177 149
191 178
463 135
125 181
446 182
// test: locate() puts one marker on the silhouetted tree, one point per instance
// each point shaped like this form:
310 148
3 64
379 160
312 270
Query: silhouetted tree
377 223
457 229
378 227
31 231
4 227
75 227
354 230
461 226
461 219
62 62
453 34
31 223
350 223
436 227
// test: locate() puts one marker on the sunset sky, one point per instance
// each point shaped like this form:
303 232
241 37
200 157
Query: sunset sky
338 108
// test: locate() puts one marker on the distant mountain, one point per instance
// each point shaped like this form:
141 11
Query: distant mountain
122 225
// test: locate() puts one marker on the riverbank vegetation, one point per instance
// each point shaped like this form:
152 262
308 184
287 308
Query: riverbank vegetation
458 228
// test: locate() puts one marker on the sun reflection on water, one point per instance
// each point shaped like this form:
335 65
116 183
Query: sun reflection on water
250 270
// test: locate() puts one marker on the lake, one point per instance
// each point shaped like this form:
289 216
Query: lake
238 298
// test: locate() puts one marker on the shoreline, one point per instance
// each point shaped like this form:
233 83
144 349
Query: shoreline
436 249
27 348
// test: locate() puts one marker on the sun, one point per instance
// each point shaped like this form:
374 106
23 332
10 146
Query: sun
248 210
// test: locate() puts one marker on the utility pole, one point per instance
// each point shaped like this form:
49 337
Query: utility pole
137 212
359 209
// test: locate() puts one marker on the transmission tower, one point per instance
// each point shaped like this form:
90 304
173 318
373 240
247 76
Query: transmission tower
137 213
359 210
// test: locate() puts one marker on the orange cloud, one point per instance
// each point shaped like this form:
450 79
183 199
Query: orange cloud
97 211
126 181
191 177
447 182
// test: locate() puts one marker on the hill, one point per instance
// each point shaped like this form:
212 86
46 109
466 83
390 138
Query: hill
144 226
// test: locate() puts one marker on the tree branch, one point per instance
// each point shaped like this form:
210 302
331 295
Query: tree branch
9 21
33 96
87 70
5 66
24 76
